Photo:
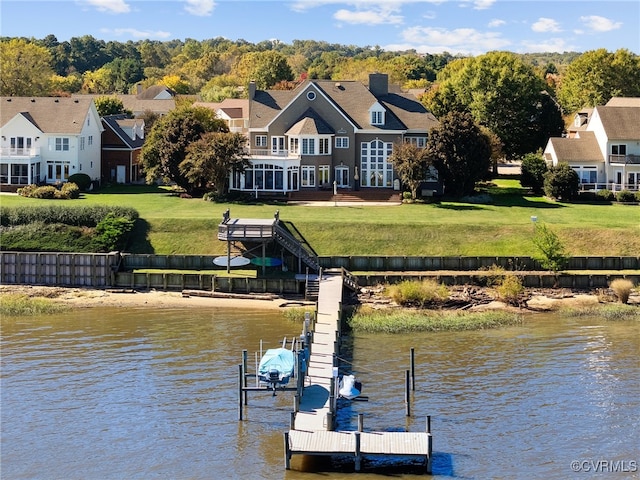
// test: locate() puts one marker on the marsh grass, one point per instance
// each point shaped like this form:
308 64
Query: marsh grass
366 319
420 293
622 287
18 305
296 314
610 312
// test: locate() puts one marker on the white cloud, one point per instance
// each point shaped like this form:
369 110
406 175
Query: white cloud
546 25
369 17
199 8
496 22
478 4
135 33
110 6
551 45
599 24
304 5
466 41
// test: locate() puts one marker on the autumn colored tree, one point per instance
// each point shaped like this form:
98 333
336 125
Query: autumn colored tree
211 159
460 152
110 106
265 68
25 69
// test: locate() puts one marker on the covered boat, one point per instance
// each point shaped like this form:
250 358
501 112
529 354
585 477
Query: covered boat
276 367
350 388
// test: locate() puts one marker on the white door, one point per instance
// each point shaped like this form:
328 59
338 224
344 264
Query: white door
121 174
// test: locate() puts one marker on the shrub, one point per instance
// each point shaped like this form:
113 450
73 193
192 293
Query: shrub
80 216
637 195
561 182
420 293
510 289
625 196
532 169
82 180
552 254
622 287
48 191
605 195
112 232
70 190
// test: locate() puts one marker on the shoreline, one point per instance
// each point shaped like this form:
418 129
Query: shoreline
78 297
538 300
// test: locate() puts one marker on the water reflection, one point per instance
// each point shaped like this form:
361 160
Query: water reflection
139 393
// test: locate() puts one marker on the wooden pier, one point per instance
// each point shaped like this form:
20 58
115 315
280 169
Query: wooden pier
313 420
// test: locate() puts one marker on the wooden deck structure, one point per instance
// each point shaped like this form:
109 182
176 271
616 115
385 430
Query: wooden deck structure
313 420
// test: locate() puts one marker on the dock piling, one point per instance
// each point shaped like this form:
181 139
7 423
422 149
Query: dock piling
413 369
407 395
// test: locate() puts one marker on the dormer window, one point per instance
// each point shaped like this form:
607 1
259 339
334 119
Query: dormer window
376 113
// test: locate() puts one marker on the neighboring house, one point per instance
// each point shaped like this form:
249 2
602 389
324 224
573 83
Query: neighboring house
234 111
157 99
122 142
606 152
329 134
47 139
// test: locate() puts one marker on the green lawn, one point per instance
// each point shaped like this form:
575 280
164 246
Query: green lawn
170 224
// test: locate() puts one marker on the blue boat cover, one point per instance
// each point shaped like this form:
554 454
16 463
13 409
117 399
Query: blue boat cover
279 359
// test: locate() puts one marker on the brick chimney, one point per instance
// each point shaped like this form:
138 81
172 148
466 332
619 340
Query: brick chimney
379 84
252 89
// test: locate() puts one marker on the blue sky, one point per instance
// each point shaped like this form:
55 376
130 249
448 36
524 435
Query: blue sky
432 26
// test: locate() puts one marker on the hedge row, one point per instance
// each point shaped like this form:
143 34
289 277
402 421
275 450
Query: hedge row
83 216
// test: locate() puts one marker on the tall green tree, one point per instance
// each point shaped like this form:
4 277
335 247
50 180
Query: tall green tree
460 152
211 159
412 165
25 69
596 76
503 94
166 146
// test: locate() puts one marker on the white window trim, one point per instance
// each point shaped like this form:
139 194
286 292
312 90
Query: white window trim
261 141
342 142
377 114
307 176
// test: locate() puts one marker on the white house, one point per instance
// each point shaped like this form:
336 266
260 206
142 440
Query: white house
606 152
47 139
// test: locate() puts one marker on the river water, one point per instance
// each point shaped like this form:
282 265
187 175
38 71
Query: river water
152 394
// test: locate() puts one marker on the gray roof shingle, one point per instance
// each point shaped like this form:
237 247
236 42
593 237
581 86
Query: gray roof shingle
50 114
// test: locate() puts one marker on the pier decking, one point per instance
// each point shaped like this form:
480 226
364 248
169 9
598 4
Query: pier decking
312 426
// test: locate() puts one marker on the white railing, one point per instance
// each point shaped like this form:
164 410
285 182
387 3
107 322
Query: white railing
625 159
20 152
266 152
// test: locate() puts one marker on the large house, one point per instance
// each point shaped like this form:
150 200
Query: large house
48 139
329 134
603 146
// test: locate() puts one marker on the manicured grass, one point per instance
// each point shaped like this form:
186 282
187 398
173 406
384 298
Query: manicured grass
170 224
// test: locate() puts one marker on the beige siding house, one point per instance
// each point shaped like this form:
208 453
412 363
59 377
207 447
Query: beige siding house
329 134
